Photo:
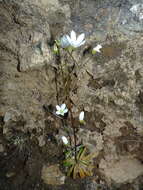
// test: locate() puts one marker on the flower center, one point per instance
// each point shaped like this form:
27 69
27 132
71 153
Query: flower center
61 111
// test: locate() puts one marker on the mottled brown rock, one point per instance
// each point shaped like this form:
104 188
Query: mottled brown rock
122 171
52 175
107 86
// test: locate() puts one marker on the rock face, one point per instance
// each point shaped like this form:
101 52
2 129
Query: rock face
125 170
109 84
52 175
34 57
103 18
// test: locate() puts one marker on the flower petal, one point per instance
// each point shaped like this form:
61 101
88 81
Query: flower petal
80 38
73 44
77 44
69 39
83 42
81 116
97 48
64 42
65 110
62 113
65 140
73 35
63 106
58 107
58 113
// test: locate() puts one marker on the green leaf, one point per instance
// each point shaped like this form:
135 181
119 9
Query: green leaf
67 164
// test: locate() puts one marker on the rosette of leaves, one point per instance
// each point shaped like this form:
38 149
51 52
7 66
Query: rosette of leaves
82 166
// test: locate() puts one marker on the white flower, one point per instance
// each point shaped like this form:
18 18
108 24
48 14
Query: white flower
96 49
72 40
65 140
64 43
81 117
76 41
61 110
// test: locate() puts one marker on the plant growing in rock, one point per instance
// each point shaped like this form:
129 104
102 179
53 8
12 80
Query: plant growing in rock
19 143
82 166
78 161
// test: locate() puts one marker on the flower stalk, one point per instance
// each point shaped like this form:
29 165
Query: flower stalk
69 43
74 133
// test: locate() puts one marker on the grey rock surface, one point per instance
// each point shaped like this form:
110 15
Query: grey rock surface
107 16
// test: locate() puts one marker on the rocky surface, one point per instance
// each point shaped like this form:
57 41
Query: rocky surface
109 88
123 171
52 175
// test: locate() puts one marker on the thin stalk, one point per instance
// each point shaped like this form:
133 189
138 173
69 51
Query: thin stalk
72 120
64 124
74 132
57 96
75 62
61 67
56 83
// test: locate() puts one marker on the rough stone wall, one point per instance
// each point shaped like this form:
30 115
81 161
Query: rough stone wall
109 84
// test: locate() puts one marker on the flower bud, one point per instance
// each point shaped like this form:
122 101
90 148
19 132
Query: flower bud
65 140
81 117
56 50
